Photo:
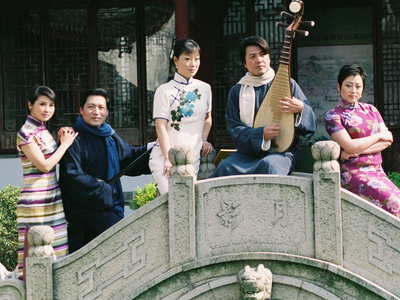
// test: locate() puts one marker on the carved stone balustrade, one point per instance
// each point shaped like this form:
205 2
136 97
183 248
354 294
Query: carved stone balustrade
327 204
39 271
318 240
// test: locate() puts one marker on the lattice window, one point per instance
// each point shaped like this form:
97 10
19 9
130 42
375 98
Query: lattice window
391 58
267 13
52 46
117 64
22 64
228 66
68 62
159 47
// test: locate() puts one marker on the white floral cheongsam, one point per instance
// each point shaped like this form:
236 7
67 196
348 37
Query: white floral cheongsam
184 103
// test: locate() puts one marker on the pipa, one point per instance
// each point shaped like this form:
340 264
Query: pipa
269 113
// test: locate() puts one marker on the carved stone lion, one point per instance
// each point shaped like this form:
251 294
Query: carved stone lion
5 274
255 283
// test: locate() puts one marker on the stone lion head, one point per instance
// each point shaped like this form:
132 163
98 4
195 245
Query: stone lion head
255 283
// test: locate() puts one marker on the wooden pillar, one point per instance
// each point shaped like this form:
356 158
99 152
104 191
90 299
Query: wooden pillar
181 19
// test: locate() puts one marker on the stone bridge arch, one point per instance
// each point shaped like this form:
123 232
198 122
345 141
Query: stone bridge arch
318 240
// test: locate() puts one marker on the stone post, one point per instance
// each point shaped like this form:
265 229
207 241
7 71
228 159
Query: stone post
327 202
181 206
39 263
207 166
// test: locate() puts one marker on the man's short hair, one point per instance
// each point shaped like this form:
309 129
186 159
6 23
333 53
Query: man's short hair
253 41
95 92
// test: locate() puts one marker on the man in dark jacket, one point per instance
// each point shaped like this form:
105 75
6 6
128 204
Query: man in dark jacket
98 154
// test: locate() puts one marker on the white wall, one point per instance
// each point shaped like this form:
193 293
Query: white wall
11 173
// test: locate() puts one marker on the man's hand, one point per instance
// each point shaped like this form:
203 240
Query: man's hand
290 105
271 132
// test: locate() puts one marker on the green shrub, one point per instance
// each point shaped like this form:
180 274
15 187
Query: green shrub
143 195
8 226
395 178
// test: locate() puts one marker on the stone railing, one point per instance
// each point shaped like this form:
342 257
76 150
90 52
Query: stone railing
209 239
38 269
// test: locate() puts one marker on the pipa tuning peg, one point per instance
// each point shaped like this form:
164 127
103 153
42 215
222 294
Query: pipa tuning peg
286 14
280 24
308 23
302 32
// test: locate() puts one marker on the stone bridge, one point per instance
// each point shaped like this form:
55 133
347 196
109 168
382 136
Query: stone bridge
318 240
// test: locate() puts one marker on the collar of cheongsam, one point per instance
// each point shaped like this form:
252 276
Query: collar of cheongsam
35 122
182 79
345 104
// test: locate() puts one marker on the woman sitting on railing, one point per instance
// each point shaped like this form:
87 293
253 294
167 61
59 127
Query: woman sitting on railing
362 134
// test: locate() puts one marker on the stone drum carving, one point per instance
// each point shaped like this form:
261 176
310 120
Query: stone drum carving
181 158
40 238
207 166
325 154
255 283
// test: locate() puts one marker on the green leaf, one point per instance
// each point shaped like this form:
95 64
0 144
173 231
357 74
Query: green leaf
8 226
144 195
395 178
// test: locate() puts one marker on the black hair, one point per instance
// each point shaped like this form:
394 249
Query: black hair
185 46
351 70
40 90
95 92
253 41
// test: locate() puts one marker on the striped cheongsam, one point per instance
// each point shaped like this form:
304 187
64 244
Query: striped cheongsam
40 199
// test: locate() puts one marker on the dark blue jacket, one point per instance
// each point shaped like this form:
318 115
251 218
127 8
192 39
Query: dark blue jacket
83 171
